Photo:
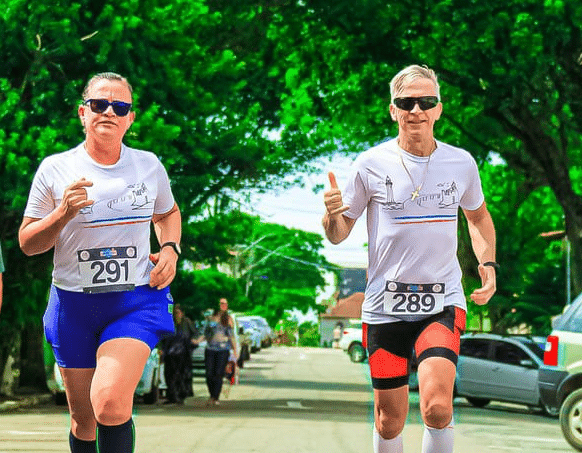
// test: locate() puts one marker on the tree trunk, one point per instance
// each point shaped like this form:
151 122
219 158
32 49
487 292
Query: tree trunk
32 359
11 368
550 154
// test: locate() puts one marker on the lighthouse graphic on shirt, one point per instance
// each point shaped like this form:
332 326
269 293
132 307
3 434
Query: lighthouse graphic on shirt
446 197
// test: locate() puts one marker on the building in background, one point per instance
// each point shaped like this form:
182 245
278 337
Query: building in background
350 297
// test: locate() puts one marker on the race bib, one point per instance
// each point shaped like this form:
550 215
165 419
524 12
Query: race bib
412 299
107 269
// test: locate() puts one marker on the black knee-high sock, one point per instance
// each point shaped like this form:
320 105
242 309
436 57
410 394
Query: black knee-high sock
116 439
82 446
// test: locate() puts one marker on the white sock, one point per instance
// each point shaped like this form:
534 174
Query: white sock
382 445
438 440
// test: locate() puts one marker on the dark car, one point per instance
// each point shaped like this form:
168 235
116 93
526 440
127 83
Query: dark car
502 368
560 378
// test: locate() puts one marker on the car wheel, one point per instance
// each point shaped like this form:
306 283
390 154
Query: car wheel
357 353
571 419
478 402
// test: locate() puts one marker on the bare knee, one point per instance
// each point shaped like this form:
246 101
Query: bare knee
110 407
389 425
82 423
437 414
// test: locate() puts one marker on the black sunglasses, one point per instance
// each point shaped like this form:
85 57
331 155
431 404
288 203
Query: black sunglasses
100 105
424 102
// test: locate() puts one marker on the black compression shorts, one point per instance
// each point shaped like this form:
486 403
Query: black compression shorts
390 346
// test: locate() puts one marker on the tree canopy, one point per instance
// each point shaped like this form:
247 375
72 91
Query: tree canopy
239 94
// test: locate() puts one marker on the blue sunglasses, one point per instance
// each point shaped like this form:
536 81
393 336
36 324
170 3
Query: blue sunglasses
100 105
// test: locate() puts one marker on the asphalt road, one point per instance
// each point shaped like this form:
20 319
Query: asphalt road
289 400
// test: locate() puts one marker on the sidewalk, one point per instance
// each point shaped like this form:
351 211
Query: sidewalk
20 401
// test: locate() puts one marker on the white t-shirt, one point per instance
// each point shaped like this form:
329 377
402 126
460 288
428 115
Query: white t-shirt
125 194
411 241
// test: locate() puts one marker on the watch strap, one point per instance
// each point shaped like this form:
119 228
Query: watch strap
173 245
492 264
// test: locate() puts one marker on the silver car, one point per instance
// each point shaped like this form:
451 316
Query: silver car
502 368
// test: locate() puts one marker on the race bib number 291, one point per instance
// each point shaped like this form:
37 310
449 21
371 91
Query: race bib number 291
107 269
412 299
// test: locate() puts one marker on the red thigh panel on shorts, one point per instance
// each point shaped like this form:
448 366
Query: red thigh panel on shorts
441 338
384 364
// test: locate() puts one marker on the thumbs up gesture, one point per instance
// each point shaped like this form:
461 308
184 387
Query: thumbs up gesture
333 198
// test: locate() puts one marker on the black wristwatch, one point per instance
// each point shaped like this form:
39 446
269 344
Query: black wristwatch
492 264
174 245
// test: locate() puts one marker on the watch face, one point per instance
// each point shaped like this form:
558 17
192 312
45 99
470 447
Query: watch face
178 248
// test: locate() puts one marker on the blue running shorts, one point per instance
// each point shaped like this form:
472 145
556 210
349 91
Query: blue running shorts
76 324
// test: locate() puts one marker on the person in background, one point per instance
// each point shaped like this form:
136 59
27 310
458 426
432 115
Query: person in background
220 340
337 334
177 356
413 187
110 300
223 307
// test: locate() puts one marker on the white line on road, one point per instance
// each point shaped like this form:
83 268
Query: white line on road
294 405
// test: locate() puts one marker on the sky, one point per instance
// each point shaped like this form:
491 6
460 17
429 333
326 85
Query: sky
301 208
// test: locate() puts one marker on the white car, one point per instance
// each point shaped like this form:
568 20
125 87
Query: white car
351 341
267 334
253 332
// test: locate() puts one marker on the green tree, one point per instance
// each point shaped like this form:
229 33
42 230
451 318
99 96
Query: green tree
510 85
279 268
530 285
204 94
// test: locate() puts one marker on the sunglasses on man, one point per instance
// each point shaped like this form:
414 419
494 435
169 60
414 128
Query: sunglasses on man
424 102
100 105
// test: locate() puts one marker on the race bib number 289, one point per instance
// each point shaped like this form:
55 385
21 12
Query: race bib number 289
107 269
412 299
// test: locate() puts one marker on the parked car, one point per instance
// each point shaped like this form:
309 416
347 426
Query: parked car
560 378
351 341
253 332
268 336
502 368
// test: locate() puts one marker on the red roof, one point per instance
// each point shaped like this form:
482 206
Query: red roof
350 307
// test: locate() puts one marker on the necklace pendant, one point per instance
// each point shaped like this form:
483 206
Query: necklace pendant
415 195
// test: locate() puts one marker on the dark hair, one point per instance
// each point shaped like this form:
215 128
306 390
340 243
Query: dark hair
224 317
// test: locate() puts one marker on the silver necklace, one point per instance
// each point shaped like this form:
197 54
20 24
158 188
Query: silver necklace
416 192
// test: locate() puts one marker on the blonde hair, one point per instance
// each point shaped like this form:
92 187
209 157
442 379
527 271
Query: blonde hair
410 74
107 76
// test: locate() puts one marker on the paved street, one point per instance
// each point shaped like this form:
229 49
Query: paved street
290 400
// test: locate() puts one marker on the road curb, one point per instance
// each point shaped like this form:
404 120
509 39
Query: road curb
29 401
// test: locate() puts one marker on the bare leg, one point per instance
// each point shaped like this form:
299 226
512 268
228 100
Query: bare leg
436 376
77 385
390 411
120 364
